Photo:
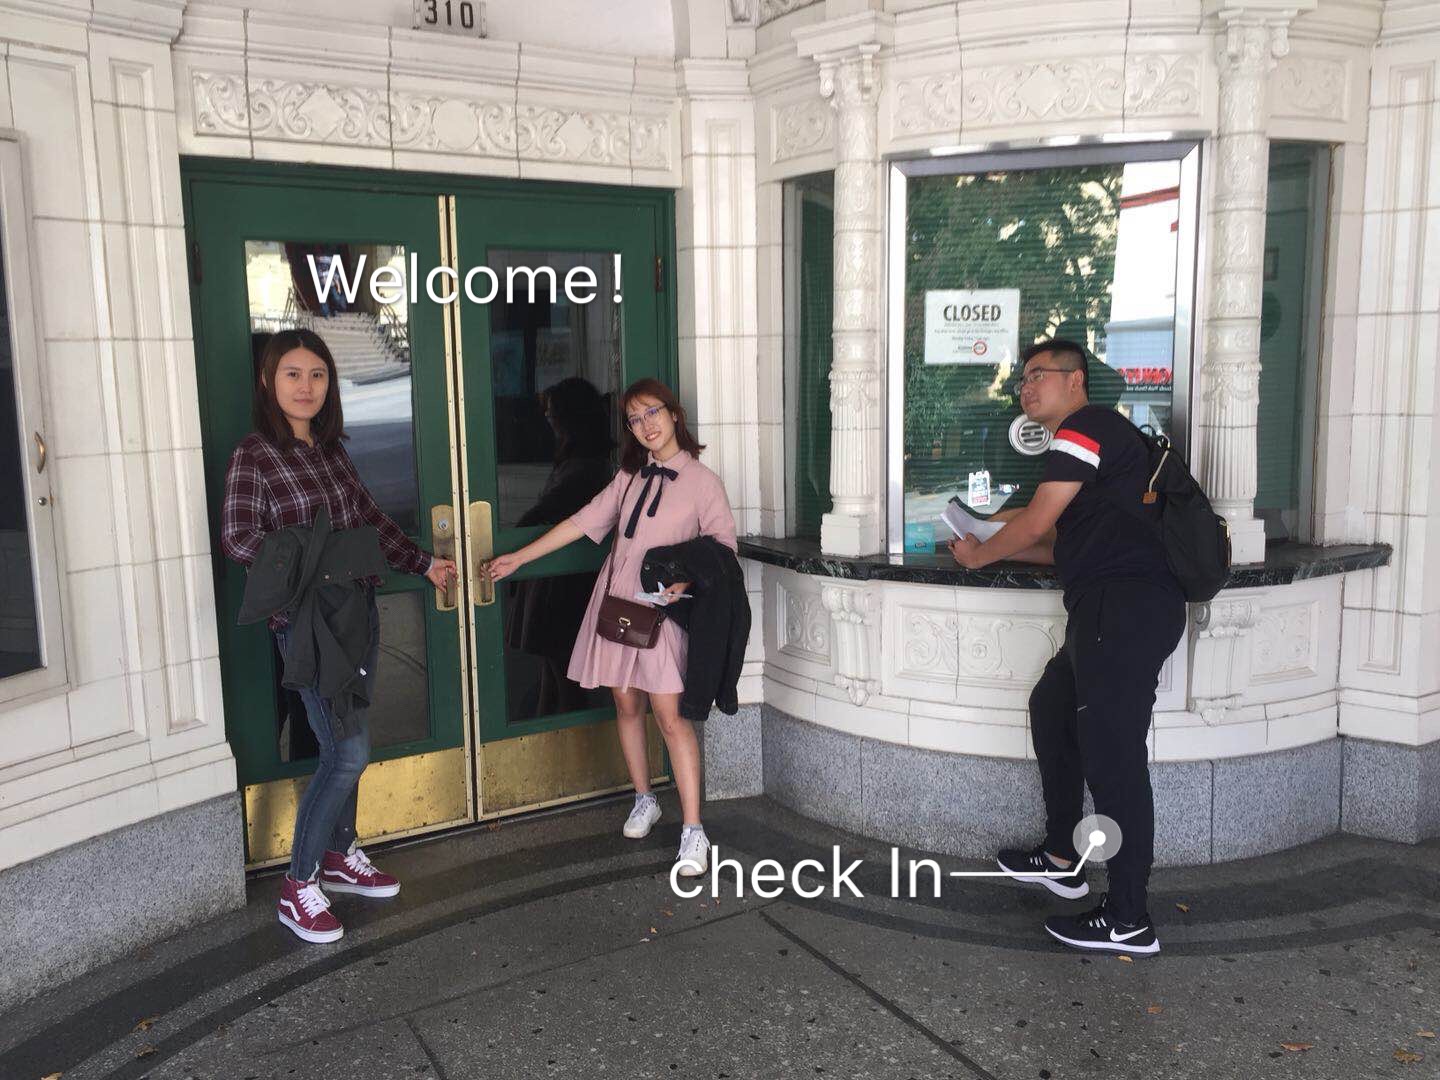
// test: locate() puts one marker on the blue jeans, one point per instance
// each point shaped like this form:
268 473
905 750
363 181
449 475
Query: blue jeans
325 818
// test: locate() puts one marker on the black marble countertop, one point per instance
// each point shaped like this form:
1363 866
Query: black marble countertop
1284 563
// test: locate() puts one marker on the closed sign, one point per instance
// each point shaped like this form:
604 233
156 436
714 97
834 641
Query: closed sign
972 326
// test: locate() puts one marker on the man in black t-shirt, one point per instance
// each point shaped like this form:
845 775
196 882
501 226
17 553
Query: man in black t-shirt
1091 709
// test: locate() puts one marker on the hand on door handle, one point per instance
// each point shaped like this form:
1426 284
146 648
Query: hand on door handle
482 555
442 573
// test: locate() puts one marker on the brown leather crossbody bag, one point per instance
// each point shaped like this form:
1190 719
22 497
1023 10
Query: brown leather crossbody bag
627 622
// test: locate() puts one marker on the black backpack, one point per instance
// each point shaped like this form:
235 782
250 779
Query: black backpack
1196 539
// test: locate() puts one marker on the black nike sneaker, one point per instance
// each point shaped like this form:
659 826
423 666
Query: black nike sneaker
1097 931
1033 867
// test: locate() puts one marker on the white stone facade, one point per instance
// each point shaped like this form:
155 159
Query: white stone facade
722 100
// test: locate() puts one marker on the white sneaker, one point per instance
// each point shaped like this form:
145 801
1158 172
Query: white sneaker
643 816
694 856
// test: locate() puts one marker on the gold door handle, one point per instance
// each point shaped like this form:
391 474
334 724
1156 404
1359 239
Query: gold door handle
482 550
41 453
442 533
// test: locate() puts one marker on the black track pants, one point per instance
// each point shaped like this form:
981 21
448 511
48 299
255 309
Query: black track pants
1089 715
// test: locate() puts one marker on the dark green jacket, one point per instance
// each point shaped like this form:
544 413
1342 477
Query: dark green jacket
320 582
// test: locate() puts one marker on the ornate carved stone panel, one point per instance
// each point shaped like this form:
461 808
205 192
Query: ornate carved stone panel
801 127
1162 83
929 644
927 103
1310 87
804 626
362 116
994 651
220 104
545 133
454 125
1005 651
1285 643
1055 90
319 112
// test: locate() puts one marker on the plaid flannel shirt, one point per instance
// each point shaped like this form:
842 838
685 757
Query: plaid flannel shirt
267 488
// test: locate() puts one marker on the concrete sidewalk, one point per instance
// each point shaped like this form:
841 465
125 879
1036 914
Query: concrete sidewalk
552 947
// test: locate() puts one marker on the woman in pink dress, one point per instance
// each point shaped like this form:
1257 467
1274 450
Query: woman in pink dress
662 495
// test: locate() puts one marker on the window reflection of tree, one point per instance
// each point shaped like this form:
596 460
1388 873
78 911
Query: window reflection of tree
1051 233
544 615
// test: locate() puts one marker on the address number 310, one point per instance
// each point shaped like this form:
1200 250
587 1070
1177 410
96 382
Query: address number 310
452 16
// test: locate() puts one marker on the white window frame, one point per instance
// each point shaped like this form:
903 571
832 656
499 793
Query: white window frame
25 347
1183 147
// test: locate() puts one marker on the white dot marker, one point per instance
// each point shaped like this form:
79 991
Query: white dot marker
1097 838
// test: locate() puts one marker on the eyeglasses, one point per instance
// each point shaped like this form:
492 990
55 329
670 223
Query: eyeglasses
649 414
1035 374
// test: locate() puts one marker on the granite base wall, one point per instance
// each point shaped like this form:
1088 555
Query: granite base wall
730 754
1205 811
82 906
1392 792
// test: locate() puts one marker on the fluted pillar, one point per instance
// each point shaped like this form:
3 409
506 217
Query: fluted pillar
849 80
1255 38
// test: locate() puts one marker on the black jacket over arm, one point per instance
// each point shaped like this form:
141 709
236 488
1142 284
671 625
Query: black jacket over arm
320 581
717 619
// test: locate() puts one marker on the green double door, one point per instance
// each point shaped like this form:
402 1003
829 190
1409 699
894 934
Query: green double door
476 424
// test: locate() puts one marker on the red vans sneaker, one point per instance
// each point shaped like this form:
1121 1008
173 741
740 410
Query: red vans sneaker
352 872
306 910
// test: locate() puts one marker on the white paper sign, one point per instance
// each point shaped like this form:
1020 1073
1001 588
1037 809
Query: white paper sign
972 326
979 484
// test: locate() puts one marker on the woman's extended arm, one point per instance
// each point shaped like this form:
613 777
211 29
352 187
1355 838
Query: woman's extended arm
567 532
1029 535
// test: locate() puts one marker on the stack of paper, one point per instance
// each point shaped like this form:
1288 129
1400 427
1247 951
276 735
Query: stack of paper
963 523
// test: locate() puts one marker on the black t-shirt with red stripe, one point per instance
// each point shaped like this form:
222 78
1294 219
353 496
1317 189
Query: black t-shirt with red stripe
1097 538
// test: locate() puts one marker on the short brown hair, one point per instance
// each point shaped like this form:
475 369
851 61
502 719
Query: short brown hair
634 454
328 426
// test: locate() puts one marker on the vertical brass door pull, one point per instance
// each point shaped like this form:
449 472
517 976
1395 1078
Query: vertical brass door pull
442 531
482 550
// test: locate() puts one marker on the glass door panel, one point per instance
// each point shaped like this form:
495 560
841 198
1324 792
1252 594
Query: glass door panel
556 370
266 251
543 375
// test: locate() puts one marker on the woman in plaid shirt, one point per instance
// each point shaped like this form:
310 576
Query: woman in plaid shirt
280 475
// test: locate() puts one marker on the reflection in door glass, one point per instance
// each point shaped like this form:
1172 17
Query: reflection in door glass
400 712
371 345
542 619
557 370
19 626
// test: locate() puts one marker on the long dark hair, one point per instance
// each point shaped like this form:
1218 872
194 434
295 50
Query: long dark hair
328 426
634 454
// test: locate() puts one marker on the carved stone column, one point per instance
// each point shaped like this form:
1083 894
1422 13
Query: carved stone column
850 82
1255 37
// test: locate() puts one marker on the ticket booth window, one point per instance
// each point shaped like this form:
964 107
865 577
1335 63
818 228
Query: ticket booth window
992 253
1296 204
809 276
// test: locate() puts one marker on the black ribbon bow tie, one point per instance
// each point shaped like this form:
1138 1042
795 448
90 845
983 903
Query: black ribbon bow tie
649 472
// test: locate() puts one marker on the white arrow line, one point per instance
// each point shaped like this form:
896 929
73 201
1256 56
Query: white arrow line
1044 873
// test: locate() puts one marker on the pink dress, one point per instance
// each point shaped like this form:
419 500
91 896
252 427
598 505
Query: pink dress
693 504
